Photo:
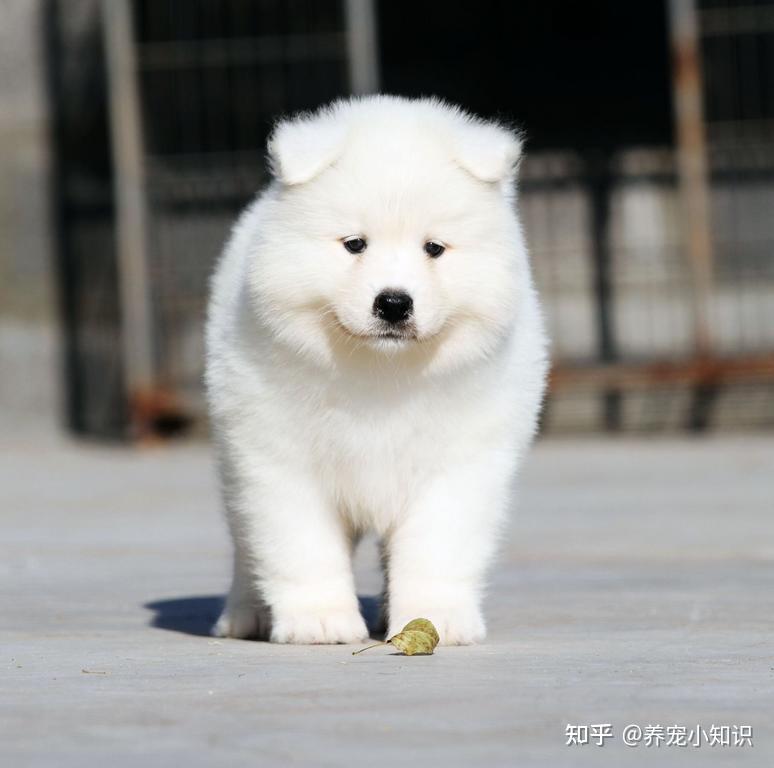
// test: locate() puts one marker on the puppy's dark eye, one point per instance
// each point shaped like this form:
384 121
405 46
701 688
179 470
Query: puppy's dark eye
434 249
355 244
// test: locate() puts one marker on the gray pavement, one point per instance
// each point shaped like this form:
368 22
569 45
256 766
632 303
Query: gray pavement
636 587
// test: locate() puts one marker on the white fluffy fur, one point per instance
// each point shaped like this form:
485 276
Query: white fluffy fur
324 429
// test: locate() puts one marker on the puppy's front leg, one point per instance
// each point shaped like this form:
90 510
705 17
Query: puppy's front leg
296 549
438 554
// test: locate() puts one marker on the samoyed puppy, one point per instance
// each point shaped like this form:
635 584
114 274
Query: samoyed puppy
375 361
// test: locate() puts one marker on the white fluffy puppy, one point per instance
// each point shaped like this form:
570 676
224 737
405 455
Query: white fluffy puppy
375 360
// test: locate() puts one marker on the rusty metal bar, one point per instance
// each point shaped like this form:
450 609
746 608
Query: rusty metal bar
692 163
642 376
130 203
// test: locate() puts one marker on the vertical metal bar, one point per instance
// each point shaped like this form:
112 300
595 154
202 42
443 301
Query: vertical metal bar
130 202
362 46
600 189
692 162
62 248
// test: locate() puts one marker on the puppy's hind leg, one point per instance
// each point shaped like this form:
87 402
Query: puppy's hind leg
245 614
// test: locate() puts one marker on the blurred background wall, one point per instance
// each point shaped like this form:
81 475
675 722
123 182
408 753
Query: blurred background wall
133 131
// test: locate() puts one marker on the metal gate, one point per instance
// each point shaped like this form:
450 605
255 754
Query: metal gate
656 263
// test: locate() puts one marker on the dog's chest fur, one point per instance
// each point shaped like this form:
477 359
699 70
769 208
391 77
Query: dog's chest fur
373 444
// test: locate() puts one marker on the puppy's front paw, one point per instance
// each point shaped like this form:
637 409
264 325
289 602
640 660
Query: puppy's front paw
316 627
456 624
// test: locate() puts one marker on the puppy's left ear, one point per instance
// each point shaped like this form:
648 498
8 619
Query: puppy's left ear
301 148
488 151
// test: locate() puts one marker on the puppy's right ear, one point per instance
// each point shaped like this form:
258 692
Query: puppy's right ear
301 148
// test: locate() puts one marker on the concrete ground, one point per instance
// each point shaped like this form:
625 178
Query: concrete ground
637 588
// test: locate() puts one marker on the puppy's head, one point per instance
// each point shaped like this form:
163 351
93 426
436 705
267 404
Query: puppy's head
391 230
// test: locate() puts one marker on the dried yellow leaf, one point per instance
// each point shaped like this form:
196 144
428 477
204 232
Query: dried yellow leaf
423 625
419 636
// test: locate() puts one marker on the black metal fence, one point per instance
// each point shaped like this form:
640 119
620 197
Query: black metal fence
606 223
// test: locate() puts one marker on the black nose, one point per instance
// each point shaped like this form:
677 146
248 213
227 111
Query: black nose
393 306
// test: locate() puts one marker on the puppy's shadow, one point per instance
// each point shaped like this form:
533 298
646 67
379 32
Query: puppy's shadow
189 615
196 615
371 608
